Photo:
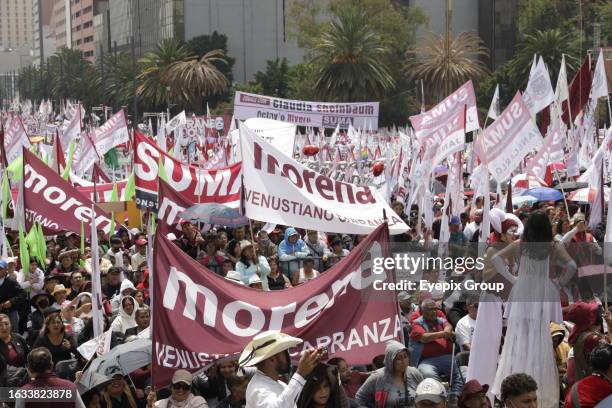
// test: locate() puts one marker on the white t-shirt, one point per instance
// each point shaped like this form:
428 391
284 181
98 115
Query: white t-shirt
465 330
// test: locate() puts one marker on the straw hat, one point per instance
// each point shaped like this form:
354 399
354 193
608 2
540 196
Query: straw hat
266 345
59 288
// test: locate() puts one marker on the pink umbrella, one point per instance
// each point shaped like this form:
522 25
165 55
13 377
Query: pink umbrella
587 195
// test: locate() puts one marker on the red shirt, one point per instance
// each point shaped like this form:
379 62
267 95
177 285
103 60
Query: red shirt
438 347
591 390
417 313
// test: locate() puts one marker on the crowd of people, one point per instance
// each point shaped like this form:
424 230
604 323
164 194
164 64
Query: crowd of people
551 347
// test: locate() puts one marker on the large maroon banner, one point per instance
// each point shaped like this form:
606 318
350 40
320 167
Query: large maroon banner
55 203
221 185
201 316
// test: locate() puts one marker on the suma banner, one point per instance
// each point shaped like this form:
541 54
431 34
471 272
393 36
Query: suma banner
462 98
303 113
506 141
217 317
221 185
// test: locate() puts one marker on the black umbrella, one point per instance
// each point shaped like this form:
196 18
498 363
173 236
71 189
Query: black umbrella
571 185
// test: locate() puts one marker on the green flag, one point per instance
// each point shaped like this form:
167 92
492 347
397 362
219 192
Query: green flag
6 194
161 170
111 231
24 255
69 159
81 260
16 168
111 159
114 193
130 188
42 246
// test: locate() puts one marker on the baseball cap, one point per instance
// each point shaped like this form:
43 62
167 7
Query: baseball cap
3 264
141 241
430 390
183 376
455 220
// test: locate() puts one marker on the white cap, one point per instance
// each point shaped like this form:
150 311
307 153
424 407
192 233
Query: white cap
430 390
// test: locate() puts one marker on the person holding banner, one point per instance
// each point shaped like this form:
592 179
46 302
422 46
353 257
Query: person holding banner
269 352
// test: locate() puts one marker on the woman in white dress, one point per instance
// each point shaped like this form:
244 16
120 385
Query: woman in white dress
533 303
487 337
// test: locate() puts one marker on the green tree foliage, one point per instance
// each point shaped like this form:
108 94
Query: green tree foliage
274 80
351 59
193 80
153 89
203 44
389 29
550 45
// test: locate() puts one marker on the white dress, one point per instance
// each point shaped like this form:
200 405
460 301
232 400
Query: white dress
532 305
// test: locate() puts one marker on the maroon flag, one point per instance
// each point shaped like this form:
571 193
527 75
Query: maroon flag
579 90
170 206
99 176
216 317
54 202
3 150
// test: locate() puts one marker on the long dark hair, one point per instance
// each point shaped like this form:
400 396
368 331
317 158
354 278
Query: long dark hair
537 236
321 374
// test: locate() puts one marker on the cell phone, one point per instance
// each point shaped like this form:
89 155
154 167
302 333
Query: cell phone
324 353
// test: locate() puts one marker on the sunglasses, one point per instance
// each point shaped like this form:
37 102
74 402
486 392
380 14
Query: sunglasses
181 386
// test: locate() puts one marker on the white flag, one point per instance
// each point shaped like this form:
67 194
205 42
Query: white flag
539 93
15 138
87 155
494 108
161 135
96 286
178 120
599 88
562 90
72 128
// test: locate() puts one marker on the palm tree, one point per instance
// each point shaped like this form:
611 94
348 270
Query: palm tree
117 73
192 80
350 59
444 63
153 90
551 45
71 76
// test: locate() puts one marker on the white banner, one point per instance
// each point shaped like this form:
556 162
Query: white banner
15 137
455 102
304 113
280 190
506 141
112 133
279 134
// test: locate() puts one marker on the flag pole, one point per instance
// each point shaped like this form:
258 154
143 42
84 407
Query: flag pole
562 192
